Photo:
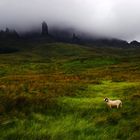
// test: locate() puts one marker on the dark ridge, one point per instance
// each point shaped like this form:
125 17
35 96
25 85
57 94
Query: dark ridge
4 50
111 42
135 43
9 34
68 35
62 35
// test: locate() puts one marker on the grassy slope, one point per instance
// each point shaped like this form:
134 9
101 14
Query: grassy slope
55 91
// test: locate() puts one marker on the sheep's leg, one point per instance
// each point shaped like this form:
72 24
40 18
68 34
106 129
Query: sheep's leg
120 105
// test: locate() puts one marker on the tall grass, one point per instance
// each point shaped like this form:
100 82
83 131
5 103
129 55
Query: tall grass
57 93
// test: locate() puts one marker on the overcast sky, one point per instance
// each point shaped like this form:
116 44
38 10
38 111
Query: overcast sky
113 18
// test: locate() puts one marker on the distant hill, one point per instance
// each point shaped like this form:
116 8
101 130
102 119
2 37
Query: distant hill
68 35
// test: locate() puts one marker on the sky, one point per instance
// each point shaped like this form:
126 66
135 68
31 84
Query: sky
110 18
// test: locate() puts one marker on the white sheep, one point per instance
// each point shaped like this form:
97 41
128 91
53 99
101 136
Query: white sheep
113 103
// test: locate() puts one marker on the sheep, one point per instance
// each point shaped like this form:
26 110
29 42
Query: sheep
113 103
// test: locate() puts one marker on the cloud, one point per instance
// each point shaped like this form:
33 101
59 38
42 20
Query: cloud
120 18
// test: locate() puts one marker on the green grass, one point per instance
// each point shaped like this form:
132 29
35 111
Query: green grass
56 91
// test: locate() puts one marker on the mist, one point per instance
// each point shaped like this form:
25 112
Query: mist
109 18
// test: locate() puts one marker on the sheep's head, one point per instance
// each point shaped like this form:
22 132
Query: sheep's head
106 99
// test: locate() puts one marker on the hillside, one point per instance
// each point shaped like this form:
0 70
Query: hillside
56 91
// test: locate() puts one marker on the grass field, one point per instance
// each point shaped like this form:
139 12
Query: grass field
56 91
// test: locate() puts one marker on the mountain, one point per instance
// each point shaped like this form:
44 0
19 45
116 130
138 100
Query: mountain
69 35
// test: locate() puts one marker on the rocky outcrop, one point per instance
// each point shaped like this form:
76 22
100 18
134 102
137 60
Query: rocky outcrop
45 31
8 34
75 39
135 43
